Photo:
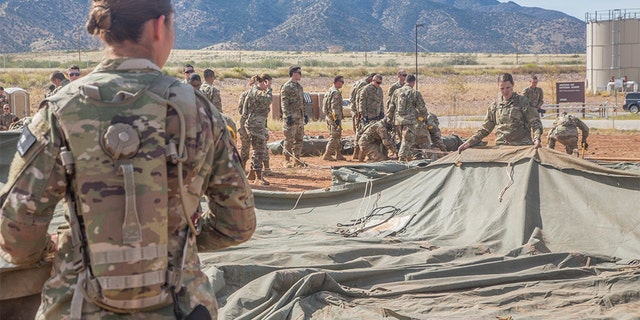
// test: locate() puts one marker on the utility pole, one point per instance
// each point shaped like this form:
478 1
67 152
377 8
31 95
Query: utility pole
79 57
417 25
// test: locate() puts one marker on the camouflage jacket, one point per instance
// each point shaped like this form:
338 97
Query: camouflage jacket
568 125
292 101
257 106
513 119
534 95
58 88
6 120
37 182
431 128
332 104
353 94
376 133
370 103
395 86
213 94
406 106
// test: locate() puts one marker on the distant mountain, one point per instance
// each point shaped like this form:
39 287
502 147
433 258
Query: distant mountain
315 25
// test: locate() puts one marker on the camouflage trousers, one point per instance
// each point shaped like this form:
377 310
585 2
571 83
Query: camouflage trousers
570 142
245 143
371 148
259 137
408 137
335 136
293 138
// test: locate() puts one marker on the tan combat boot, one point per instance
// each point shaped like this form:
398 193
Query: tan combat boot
261 179
327 156
339 156
356 152
252 175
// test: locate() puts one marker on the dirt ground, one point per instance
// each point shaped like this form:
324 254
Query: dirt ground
603 144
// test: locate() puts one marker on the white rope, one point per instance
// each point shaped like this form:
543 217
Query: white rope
510 175
297 201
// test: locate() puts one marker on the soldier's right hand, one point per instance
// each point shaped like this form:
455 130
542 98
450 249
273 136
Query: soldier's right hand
289 120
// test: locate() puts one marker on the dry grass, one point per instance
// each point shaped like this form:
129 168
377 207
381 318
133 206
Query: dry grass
472 85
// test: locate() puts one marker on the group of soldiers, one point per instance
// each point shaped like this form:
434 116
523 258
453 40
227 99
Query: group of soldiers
378 126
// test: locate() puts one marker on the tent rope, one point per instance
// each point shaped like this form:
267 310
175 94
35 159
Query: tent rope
510 175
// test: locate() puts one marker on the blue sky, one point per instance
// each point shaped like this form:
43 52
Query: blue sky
578 8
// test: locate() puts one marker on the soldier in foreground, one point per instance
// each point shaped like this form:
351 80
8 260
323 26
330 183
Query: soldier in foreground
332 109
406 109
565 131
293 114
130 251
513 117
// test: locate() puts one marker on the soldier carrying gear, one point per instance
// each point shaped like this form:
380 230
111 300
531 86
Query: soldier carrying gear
565 130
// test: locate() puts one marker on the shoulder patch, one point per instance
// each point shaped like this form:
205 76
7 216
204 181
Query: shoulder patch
27 139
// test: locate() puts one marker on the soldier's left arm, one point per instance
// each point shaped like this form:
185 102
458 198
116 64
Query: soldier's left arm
584 128
36 184
421 106
533 121
231 216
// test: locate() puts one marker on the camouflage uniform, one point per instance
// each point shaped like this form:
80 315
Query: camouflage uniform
245 138
213 94
535 96
565 131
395 86
58 88
292 104
374 134
256 110
355 113
6 120
332 109
405 109
513 119
370 104
428 134
37 182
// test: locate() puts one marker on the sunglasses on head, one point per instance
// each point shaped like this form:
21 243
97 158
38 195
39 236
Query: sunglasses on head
74 74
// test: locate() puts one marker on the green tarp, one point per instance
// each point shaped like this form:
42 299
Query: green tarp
8 143
494 232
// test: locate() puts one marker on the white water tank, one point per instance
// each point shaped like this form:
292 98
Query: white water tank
613 47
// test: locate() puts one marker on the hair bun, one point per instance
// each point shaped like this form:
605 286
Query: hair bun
99 19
